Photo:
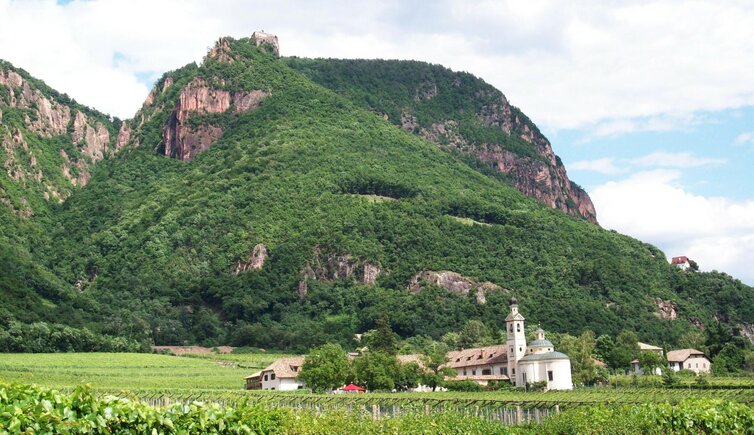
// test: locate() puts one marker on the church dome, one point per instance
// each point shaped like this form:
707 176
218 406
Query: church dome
541 343
543 356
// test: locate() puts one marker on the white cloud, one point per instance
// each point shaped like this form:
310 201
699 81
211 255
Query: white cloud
658 159
614 66
661 159
717 232
745 138
603 166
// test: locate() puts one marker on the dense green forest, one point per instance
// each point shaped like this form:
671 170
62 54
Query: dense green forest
148 248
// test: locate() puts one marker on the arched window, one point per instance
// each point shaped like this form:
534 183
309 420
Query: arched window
518 327
511 327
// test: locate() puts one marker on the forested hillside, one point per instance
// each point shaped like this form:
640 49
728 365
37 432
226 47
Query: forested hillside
249 205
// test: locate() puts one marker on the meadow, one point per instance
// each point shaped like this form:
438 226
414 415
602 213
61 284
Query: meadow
133 371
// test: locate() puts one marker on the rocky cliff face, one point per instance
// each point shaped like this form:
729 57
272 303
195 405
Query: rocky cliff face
454 282
459 113
542 176
332 267
36 125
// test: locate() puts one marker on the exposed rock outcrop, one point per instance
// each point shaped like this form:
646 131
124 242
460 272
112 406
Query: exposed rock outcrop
667 309
254 260
542 177
454 282
92 137
332 267
269 39
124 136
198 97
221 51
51 118
747 330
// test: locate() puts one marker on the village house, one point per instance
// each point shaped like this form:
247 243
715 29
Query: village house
644 347
689 359
481 365
681 262
515 361
280 375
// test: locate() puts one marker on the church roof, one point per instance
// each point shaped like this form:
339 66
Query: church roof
543 356
477 356
516 316
541 343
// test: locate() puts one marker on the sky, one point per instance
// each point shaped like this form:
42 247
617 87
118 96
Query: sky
650 104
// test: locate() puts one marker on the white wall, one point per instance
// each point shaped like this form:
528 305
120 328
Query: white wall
285 384
536 371
699 364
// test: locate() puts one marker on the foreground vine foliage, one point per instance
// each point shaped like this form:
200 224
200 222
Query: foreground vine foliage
31 410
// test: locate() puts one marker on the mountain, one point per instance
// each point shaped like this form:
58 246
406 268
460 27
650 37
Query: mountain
460 113
247 203
50 144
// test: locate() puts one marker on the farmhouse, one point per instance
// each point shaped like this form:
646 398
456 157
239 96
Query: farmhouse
280 375
689 359
481 365
681 262
644 347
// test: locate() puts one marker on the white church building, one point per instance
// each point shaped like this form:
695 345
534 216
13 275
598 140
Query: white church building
536 361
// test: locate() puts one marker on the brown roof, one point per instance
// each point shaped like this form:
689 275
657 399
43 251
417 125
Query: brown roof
417 358
477 356
680 260
681 355
478 378
645 346
286 367
255 375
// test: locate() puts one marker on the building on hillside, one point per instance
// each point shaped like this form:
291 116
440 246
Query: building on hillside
281 375
644 347
481 364
516 361
538 361
681 262
689 359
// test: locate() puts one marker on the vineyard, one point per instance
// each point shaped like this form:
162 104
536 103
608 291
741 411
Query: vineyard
32 409
135 371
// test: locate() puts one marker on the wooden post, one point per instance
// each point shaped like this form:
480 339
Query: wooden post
557 409
426 409
536 415
375 412
518 414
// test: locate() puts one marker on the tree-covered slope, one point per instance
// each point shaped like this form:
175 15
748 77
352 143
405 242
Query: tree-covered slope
289 215
460 113
48 146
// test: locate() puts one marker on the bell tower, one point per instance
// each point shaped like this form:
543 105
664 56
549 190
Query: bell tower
516 343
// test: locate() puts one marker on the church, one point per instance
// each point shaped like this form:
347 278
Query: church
536 361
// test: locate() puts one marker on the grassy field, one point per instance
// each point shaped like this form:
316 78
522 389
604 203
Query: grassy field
133 371
220 377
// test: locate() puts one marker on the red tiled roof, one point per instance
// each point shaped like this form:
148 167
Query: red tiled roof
679 260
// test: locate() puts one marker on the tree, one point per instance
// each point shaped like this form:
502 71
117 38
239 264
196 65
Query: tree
603 347
692 340
475 334
580 350
376 370
382 339
730 359
649 361
325 368
409 375
625 350
434 360
452 340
